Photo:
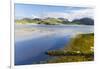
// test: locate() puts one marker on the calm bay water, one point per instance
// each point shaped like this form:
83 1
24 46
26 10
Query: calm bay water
32 41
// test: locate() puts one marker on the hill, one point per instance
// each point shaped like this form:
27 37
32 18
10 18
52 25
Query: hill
54 21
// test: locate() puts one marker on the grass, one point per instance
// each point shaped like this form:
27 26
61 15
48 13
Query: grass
80 48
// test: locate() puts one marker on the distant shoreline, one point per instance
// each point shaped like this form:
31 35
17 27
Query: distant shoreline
54 25
56 21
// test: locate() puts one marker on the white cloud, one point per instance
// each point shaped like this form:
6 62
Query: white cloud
81 13
72 15
35 16
76 14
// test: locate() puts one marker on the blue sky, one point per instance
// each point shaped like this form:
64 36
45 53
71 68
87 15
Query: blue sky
41 11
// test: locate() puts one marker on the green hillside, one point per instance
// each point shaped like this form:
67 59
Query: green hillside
80 48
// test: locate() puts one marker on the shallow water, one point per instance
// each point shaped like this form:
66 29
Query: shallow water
30 45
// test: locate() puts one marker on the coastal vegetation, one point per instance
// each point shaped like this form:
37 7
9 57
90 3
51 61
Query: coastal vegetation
80 48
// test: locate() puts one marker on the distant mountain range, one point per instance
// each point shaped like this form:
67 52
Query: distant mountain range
54 21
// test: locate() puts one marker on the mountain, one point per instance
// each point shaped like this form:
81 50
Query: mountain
85 21
54 21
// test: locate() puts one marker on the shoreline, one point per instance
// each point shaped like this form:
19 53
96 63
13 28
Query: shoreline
71 53
54 25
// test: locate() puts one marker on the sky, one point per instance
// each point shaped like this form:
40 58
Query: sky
42 11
